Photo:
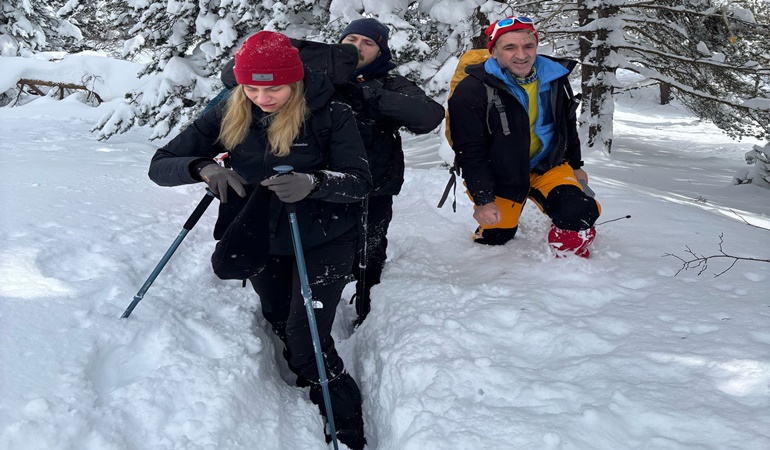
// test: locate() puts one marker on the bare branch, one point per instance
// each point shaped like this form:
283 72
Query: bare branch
747 222
700 261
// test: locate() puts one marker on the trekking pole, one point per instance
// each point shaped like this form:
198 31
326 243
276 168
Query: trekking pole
307 296
360 306
191 221
628 216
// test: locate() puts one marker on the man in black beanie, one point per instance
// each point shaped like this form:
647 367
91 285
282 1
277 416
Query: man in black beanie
382 103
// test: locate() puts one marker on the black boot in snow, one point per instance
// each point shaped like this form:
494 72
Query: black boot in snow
363 303
362 309
351 432
346 405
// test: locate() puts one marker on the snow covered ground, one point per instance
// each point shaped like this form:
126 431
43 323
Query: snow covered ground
467 346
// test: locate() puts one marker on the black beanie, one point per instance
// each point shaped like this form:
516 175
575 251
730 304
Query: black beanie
370 28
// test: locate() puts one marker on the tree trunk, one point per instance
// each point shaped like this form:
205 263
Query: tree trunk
665 93
479 41
585 40
600 104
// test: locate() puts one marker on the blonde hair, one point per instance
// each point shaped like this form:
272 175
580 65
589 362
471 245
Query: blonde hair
284 125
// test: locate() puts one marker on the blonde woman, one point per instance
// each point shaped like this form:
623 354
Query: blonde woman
282 114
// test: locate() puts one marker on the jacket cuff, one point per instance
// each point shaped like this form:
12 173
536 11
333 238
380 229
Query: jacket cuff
482 198
576 164
320 178
196 166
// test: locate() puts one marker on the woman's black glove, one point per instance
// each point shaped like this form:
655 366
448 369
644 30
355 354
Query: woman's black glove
218 178
292 187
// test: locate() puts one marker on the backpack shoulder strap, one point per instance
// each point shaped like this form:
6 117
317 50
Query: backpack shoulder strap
494 100
573 100
322 128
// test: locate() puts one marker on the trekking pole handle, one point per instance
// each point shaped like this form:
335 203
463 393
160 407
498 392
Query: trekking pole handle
199 210
286 170
283 169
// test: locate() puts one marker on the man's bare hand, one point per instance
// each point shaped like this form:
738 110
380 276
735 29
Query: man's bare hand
581 174
488 214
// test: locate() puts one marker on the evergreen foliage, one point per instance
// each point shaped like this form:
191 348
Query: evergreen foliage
197 38
32 26
710 54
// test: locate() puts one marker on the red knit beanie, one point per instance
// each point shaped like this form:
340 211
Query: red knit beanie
506 25
267 59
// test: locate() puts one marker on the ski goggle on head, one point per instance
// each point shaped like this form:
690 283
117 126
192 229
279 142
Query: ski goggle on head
510 24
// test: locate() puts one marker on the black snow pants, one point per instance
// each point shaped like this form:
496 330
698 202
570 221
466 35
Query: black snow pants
379 215
278 287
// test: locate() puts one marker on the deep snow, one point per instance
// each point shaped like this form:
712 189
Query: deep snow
467 346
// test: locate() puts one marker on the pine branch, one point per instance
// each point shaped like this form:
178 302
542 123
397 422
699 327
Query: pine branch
653 75
672 56
675 10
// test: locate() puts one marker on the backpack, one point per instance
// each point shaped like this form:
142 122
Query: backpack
471 57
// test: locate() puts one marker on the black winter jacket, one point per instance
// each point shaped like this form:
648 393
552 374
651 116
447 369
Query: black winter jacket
493 164
336 153
389 103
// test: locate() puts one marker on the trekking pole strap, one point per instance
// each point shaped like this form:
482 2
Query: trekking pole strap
451 185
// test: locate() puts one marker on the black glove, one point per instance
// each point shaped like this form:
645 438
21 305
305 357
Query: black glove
371 90
363 91
292 187
218 178
352 90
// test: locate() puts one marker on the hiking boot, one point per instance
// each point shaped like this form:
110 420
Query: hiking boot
363 306
351 435
351 432
494 236
567 242
346 405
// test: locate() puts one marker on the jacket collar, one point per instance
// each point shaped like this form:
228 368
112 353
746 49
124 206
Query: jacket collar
379 67
548 68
